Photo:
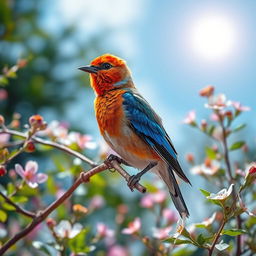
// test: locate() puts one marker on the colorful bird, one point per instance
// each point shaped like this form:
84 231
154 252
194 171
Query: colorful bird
131 127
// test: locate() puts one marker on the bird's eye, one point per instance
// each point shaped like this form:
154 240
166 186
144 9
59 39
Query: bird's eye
106 65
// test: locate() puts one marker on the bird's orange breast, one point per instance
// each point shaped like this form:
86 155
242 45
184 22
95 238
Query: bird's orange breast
109 112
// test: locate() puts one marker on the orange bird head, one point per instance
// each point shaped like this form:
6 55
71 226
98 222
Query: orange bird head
108 72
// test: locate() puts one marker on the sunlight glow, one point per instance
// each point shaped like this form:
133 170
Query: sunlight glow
213 37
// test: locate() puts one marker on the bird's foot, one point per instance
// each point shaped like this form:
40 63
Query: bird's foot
133 180
116 158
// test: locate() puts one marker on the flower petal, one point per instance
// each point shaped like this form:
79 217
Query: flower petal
31 166
32 184
41 177
19 169
63 228
77 228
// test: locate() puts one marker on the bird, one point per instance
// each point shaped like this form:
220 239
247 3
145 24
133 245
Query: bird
132 128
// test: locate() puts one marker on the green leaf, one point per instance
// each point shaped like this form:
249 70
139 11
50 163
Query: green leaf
239 127
200 239
233 232
221 246
8 207
19 199
41 247
3 216
183 252
10 188
177 241
211 129
205 192
3 80
237 145
210 153
78 243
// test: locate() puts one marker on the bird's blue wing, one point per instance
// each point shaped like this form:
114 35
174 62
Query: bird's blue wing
147 125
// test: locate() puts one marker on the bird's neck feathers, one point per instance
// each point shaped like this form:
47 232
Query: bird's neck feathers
103 85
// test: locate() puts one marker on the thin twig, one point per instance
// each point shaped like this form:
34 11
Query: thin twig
51 144
217 237
42 215
17 207
231 180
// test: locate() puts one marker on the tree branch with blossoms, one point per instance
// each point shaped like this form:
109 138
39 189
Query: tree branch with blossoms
29 174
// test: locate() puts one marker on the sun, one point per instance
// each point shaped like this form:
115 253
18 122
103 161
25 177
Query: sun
213 37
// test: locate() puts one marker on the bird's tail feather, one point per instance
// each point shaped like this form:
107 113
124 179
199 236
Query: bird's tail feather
167 175
176 195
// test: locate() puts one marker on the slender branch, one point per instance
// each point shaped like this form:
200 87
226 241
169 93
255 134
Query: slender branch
231 180
17 207
42 215
51 144
217 237
226 155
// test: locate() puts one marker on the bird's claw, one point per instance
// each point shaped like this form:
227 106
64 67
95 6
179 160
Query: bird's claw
133 180
112 157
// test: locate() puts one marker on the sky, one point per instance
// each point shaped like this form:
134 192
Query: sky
174 48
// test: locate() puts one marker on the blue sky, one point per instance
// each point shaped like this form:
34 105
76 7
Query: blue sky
155 39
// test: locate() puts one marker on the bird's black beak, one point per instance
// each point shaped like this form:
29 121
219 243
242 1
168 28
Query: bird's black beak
89 69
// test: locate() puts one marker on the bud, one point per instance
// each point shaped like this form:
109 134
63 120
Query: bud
51 223
250 177
22 63
245 148
37 122
2 121
203 125
78 208
2 170
146 240
229 115
15 124
30 147
207 91
190 158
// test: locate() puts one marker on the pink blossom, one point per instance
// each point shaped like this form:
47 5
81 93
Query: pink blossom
214 117
97 202
218 133
104 231
149 200
218 102
56 129
161 233
238 106
4 138
170 216
30 175
85 141
133 227
209 167
3 94
159 197
117 250
190 118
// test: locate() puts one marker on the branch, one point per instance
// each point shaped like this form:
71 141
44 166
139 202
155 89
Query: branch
17 207
84 177
217 237
51 144
231 180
